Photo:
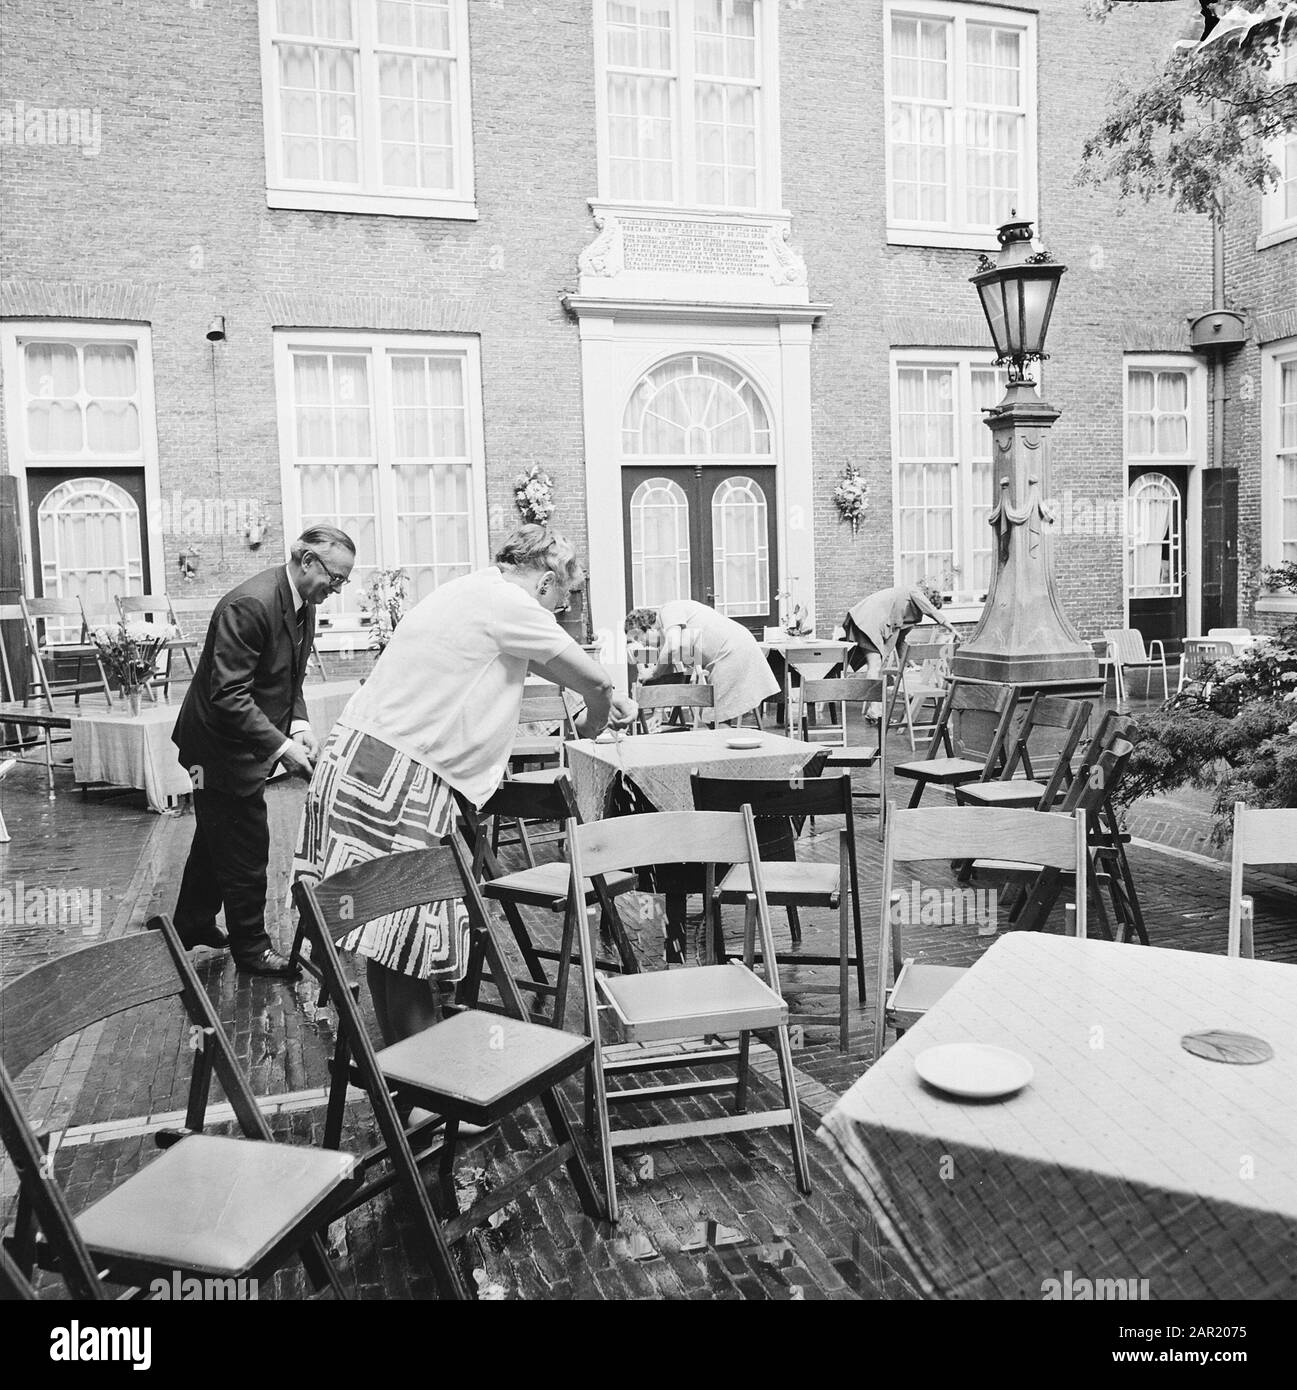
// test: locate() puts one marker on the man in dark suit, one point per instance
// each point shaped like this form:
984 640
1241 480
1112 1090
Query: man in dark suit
243 714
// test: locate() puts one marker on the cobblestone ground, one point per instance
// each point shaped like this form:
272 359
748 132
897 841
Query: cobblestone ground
703 1218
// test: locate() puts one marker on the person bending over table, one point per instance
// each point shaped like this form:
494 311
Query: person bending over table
890 613
685 633
437 716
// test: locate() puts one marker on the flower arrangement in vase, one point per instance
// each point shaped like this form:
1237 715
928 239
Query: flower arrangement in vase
386 599
129 651
533 494
851 496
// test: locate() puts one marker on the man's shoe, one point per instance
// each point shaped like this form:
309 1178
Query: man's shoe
269 962
211 935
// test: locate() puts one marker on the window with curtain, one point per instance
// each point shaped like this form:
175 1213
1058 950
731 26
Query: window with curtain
943 488
1157 414
740 550
659 539
82 400
367 105
692 406
682 94
383 439
1279 454
91 547
1153 538
961 121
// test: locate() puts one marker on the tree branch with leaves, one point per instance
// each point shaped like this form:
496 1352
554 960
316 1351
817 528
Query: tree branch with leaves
1205 120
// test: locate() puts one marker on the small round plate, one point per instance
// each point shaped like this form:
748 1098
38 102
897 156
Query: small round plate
743 743
976 1070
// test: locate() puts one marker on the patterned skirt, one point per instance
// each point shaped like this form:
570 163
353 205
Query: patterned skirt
367 800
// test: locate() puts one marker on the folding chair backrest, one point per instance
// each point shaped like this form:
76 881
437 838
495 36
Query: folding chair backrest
40 610
540 706
841 691
671 695
774 796
47 1202
157 607
1098 778
1261 836
1050 712
526 800
983 738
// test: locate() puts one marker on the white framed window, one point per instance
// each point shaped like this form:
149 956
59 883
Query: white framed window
381 435
82 442
686 99
941 457
1165 410
367 106
695 405
1279 452
1154 538
1279 204
961 113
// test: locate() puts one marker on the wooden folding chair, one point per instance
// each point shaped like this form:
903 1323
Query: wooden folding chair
1090 792
16 711
1127 652
1029 791
957 833
228 1208
959 751
544 885
542 703
837 693
475 1066
41 650
922 679
157 608
1260 837
653 699
791 884
686 1002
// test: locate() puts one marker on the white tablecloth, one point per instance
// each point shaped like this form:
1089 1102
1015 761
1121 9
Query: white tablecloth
1126 1157
660 764
136 751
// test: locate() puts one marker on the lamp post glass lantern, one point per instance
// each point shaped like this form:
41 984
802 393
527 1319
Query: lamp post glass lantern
1017 293
1024 638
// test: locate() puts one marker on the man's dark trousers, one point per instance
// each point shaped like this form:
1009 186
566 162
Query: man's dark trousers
245 694
227 867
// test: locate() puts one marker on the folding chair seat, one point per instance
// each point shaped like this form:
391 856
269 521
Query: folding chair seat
673 698
473 1067
689 1002
960 753
1049 712
959 833
544 885
1261 836
795 884
210 1205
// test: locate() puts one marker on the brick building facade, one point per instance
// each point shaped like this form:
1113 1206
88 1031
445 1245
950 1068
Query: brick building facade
453 238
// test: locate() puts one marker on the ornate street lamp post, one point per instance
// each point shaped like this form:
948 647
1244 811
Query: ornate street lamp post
1024 637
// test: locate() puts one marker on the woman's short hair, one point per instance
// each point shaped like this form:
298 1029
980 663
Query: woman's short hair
315 537
641 620
538 548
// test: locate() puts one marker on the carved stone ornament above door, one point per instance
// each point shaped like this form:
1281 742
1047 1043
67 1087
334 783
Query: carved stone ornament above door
706 257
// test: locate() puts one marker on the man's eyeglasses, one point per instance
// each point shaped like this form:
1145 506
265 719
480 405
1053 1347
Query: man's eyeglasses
336 581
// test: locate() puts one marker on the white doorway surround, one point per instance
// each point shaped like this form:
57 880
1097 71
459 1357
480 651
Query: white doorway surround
656 287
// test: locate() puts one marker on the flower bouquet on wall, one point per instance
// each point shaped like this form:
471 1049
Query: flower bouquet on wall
851 496
533 494
386 599
129 653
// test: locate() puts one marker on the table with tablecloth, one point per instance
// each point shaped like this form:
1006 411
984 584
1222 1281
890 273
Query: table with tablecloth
1126 1157
124 750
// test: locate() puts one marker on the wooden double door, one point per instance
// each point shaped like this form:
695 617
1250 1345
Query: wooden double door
706 532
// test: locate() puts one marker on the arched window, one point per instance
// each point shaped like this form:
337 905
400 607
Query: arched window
740 551
695 407
1153 538
91 545
659 538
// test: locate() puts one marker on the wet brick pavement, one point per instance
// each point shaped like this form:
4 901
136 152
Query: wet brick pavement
708 1218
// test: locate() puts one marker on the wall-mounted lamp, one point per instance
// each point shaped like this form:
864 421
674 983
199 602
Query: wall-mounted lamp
188 561
216 329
